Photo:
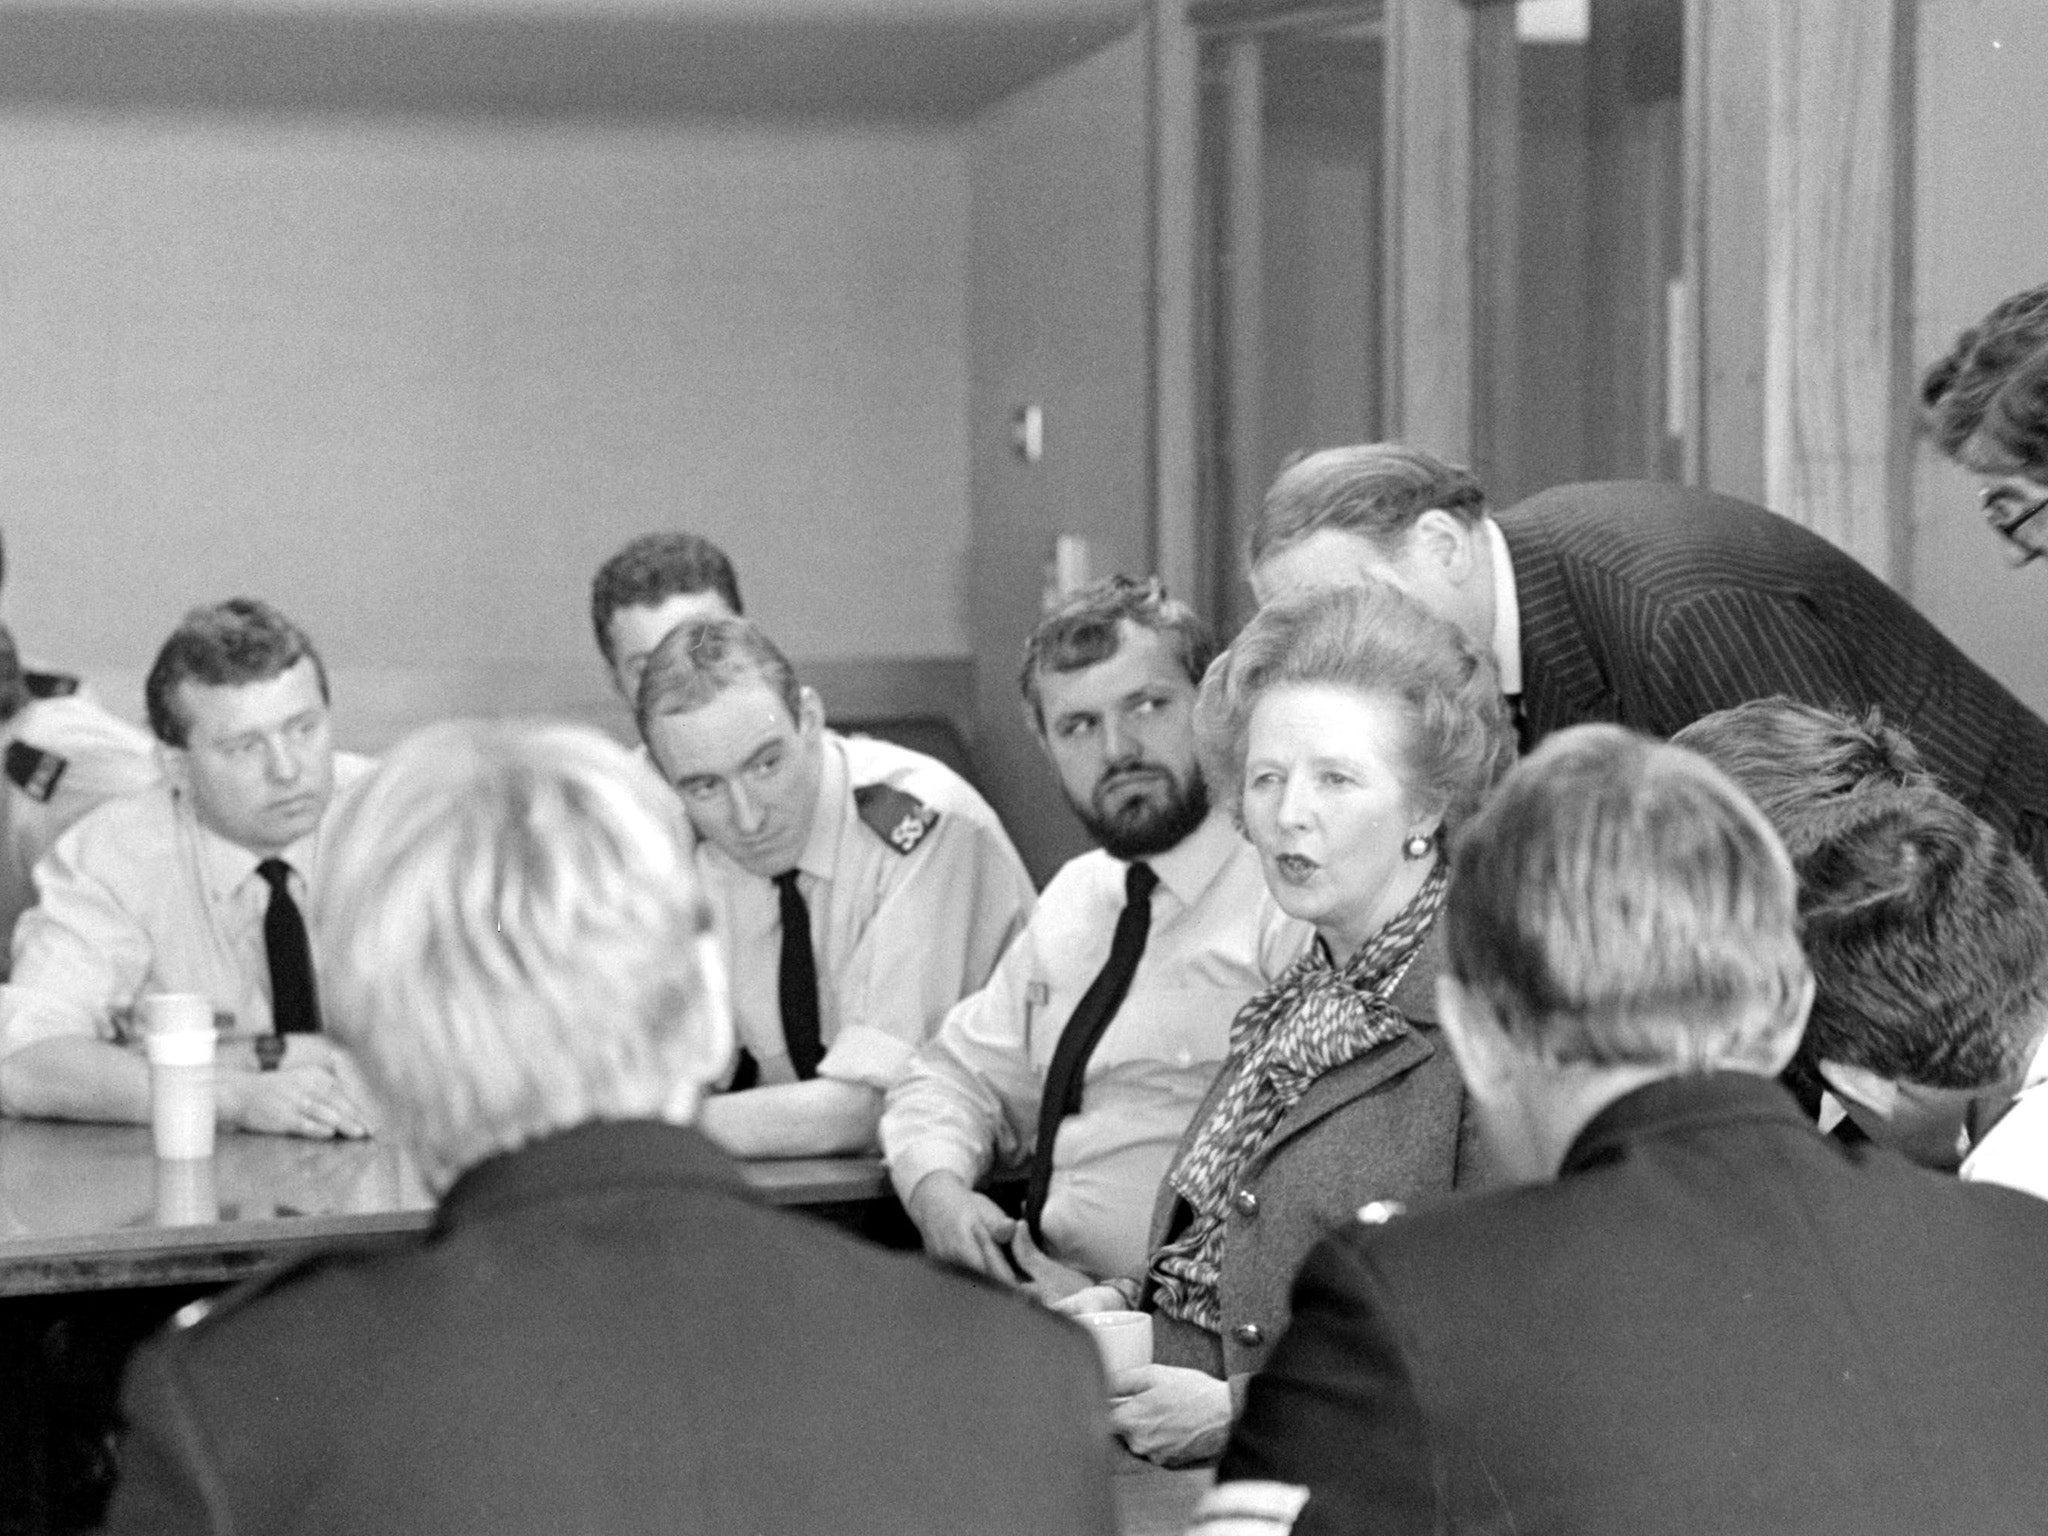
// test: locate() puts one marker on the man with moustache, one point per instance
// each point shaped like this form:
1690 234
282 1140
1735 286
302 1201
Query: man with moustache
1091 1046
197 884
862 888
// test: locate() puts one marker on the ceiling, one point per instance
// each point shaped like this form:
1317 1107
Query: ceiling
775 59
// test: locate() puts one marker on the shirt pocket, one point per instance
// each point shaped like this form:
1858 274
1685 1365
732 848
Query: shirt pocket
1175 1026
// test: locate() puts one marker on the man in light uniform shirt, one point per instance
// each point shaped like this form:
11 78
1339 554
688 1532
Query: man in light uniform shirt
1110 678
61 754
862 889
172 889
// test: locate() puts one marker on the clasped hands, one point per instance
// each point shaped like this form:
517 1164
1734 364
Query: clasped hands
315 1091
1166 1413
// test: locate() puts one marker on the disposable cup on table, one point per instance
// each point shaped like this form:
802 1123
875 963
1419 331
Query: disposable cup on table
178 1037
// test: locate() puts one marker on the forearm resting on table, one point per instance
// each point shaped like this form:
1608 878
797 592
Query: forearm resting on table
75 1077
820 1118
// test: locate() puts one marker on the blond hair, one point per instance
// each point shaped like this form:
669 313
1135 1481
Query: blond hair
512 941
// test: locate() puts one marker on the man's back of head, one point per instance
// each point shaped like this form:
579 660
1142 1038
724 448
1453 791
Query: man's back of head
1618 913
1927 934
513 942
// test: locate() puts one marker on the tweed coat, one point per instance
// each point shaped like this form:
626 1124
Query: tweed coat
1652 605
1387 1126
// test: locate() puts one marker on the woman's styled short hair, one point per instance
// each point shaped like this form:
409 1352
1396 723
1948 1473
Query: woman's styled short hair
1619 902
1986 403
512 940
1374 490
1377 642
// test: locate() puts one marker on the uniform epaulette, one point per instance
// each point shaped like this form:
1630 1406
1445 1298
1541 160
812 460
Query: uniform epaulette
899 819
33 770
49 685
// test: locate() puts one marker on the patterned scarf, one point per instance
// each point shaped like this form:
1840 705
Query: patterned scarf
1312 1021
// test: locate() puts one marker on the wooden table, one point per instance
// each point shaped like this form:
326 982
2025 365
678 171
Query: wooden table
88 1207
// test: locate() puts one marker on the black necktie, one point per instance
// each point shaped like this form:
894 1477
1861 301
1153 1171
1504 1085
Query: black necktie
1090 1018
796 980
1519 718
294 1008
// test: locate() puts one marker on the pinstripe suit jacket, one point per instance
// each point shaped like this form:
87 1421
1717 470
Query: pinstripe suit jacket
1652 605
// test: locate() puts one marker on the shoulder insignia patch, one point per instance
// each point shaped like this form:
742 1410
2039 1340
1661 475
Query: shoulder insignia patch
901 820
35 771
1377 1213
49 685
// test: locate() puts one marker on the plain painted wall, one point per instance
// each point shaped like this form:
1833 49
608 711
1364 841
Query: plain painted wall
412 377
1981 230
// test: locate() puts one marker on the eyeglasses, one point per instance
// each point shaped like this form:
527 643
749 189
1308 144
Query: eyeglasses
2012 513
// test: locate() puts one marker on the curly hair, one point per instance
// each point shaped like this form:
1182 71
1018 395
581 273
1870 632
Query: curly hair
1986 402
1381 643
1085 629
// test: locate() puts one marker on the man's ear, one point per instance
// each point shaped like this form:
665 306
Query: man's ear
810 712
1862 1087
1446 542
176 765
1480 1046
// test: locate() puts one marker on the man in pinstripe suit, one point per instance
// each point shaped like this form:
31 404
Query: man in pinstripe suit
1652 605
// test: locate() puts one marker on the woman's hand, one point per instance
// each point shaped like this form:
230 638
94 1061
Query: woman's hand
1171 1415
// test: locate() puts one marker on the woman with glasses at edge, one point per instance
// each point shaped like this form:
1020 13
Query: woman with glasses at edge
1986 404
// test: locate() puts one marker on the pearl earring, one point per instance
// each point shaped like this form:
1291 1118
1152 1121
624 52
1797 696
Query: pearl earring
1417 847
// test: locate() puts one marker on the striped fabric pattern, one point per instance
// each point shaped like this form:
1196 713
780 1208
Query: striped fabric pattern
1652 605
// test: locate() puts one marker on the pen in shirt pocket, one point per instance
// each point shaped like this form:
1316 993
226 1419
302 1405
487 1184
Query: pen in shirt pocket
1036 995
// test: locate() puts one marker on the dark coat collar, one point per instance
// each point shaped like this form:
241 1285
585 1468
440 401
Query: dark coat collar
1680 1104
601 1157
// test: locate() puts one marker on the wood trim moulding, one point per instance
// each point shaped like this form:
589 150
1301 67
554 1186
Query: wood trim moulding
1837 442
1429 287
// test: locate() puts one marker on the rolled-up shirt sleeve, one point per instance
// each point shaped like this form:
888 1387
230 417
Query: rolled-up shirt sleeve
969 1099
947 911
78 951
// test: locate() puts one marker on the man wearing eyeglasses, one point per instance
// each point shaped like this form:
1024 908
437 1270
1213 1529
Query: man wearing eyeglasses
1986 405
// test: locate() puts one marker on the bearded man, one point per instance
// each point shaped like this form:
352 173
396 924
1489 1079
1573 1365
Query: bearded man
1089 1049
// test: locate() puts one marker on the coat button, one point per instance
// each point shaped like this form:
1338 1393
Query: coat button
1251 1335
1247 1203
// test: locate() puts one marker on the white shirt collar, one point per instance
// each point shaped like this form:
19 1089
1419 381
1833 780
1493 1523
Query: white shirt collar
1189 867
1507 612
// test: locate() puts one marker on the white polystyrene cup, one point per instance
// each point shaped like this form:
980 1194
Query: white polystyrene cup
178 1035
1124 1339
